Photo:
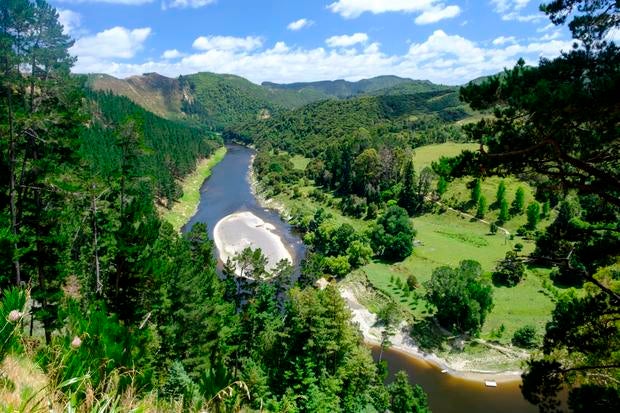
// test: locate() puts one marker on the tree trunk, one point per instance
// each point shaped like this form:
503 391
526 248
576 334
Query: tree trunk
13 191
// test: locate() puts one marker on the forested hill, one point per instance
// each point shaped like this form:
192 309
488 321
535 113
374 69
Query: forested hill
209 99
376 85
219 100
412 119
165 150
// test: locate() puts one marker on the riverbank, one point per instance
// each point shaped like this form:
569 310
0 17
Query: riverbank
235 232
401 341
186 206
481 360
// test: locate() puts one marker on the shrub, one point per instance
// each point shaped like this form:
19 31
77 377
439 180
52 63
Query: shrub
509 271
525 337
412 282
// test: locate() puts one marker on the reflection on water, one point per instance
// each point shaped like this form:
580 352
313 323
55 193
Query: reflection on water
228 191
447 394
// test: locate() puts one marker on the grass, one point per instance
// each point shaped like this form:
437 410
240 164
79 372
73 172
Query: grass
184 208
425 155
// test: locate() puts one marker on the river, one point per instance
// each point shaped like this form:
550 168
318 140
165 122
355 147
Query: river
228 190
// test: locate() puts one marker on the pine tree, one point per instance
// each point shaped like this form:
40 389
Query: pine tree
533 215
519 202
476 192
482 207
501 193
408 194
504 215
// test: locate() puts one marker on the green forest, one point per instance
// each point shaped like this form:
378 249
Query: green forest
455 207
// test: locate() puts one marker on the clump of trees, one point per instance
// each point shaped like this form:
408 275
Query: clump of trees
392 236
462 295
510 270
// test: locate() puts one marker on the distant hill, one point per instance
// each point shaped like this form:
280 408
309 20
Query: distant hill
345 89
220 100
419 118
156 93
211 99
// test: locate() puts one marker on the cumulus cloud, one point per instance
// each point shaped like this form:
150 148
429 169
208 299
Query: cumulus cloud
431 10
346 40
441 58
299 24
247 43
95 52
70 20
172 54
437 13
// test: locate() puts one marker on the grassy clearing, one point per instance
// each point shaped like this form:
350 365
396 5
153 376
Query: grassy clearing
184 208
425 155
299 162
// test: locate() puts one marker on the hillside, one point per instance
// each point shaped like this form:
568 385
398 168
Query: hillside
219 100
210 99
343 89
418 118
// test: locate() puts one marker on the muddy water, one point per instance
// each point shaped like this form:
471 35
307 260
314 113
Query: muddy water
448 394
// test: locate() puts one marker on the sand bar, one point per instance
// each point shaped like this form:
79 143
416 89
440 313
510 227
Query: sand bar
237 231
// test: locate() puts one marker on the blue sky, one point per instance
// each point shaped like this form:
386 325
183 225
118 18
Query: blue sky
445 41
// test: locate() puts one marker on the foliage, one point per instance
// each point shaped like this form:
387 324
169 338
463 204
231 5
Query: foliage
558 122
392 235
525 337
509 271
518 203
406 398
533 215
482 207
463 298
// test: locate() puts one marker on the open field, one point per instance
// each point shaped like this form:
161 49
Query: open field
425 155
184 208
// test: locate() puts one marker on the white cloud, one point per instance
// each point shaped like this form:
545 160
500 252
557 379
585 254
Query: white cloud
172 54
299 24
70 20
442 58
346 41
431 10
511 10
183 4
247 43
437 13
503 40
124 2
116 43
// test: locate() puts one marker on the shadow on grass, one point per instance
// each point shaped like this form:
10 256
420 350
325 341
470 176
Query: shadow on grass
428 334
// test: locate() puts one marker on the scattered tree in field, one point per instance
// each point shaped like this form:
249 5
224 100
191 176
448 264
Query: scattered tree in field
525 337
509 271
392 235
516 208
476 192
462 296
500 195
493 228
410 198
482 207
504 215
442 186
533 215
